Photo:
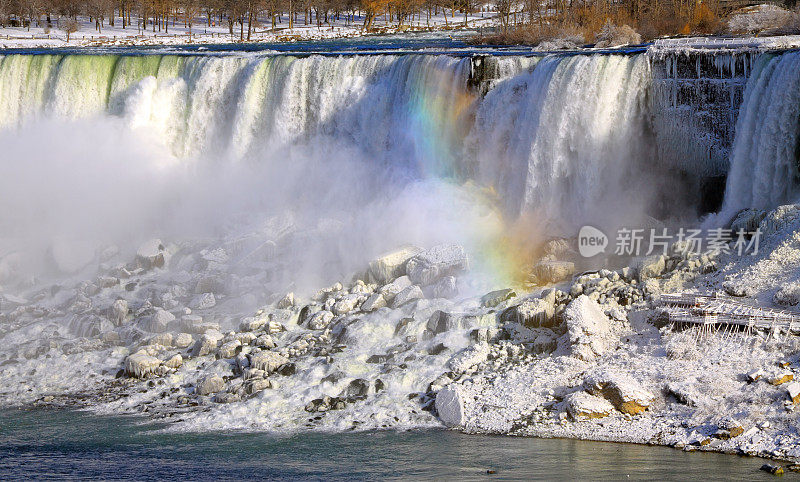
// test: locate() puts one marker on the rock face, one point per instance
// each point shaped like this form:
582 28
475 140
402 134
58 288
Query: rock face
581 405
553 271
589 332
437 262
450 406
623 392
140 365
392 265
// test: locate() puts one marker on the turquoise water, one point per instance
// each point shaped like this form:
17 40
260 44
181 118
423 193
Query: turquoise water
65 444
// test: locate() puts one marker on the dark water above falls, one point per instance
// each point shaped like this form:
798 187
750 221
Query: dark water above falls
55 444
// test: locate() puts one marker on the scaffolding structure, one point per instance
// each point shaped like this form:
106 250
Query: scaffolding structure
714 312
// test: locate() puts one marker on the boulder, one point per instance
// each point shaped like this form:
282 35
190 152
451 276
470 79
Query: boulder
441 321
160 321
203 301
392 265
780 377
469 357
183 340
346 304
207 343
374 302
651 266
140 365
437 262
320 320
747 220
589 332
253 323
622 391
392 289
581 405
450 406
494 298
209 384
534 313
152 254
174 362
793 390
269 361
412 292
553 271
118 312
229 349
286 302
256 385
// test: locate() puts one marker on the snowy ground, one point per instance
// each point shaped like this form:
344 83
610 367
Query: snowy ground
201 33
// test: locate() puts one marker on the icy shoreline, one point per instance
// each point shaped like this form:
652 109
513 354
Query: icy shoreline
589 359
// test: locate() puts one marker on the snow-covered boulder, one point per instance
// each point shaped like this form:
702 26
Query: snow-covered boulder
209 384
450 406
494 298
392 265
203 301
183 340
621 390
651 266
174 362
152 254
252 323
412 292
374 302
207 343
437 262
346 304
269 361
141 364
392 289
118 312
793 390
534 313
589 331
160 321
581 405
445 288
320 320
441 321
229 349
469 357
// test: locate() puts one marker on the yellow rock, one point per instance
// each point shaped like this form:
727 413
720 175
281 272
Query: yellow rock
781 378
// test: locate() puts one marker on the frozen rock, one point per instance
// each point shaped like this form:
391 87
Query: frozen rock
651 266
589 332
413 292
183 340
160 321
174 362
118 312
553 271
622 391
209 384
392 265
494 298
780 377
346 304
253 323
164 339
441 321
392 289
374 302
534 313
141 364
269 361
320 320
226 397
445 288
203 301
793 390
264 341
747 220
450 406
437 262
286 302
256 385
581 405
229 349
468 357
788 294
207 343
152 254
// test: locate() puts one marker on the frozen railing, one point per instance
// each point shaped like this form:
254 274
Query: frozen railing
727 43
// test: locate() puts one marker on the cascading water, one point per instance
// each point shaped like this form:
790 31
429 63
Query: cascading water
765 162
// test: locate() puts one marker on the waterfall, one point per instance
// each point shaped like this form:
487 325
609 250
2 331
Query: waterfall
764 162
